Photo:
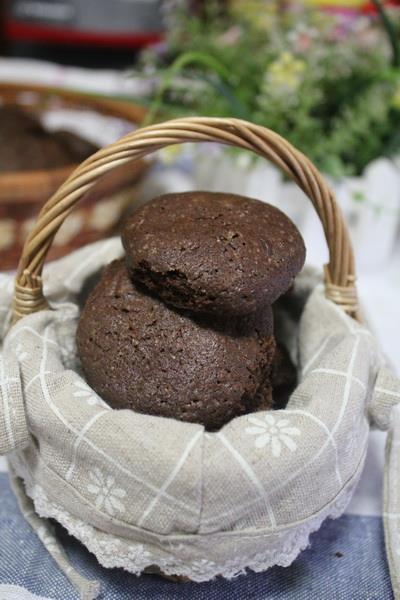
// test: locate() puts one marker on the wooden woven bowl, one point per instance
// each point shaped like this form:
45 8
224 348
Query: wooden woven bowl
339 272
22 194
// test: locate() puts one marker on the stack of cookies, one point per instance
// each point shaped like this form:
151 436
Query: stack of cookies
182 326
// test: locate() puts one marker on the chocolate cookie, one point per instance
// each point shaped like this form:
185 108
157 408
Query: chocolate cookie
213 252
139 353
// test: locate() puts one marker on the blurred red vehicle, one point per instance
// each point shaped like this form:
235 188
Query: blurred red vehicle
115 24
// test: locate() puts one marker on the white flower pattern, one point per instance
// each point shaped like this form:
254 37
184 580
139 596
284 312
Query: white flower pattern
20 353
107 495
109 546
139 556
276 433
198 566
84 391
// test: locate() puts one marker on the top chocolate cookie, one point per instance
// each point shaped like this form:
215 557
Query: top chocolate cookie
213 252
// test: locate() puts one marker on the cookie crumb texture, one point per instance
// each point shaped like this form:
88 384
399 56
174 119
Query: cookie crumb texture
213 252
139 353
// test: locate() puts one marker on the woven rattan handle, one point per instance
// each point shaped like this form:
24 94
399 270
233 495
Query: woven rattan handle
339 273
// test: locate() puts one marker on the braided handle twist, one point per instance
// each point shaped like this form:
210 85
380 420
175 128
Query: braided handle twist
339 272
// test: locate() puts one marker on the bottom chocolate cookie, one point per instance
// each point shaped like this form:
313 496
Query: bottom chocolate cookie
138 353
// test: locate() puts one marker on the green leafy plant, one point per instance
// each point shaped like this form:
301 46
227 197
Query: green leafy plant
333 90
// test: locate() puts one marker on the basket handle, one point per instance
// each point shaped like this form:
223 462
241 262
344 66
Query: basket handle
339 272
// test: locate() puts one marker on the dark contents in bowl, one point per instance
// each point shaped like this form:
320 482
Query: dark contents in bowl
209 354
27 146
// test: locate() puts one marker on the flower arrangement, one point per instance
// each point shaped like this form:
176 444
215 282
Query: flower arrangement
332 87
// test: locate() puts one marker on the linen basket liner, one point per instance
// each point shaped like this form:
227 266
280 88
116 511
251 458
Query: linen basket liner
142 491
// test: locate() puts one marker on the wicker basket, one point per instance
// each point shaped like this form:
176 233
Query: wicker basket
22 194
339 272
